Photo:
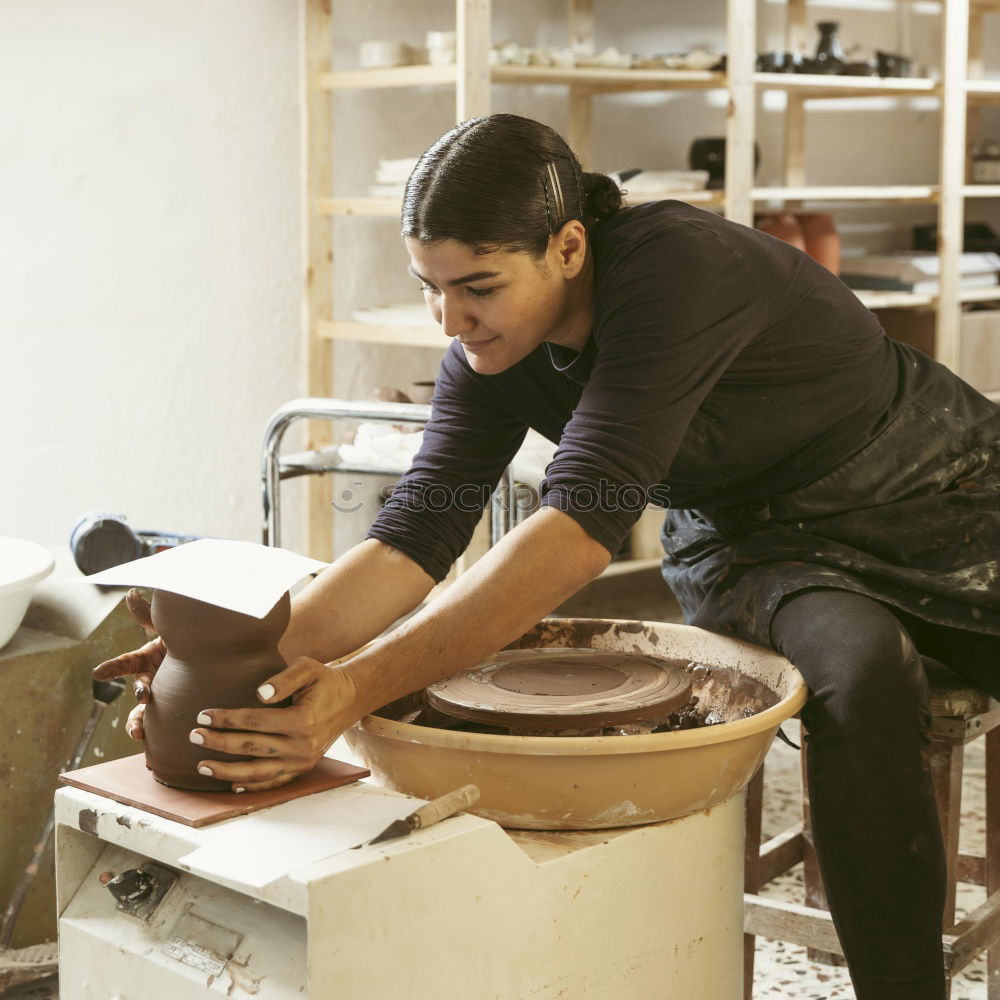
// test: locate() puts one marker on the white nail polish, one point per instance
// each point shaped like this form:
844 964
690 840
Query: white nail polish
196 738
204 719
239 789
266 692
207 771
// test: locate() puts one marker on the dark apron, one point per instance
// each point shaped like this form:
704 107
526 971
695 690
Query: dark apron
911 520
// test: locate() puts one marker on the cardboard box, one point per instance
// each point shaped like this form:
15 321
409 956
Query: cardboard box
980 347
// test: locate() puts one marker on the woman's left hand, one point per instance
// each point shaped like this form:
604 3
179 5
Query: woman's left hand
287 741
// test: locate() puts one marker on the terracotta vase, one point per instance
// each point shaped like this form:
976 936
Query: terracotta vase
216 658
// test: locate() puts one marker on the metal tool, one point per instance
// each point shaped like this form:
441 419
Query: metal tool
433 812
100 541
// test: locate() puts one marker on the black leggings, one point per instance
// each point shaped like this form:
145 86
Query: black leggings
875 823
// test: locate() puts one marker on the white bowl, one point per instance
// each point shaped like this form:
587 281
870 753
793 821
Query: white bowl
22 565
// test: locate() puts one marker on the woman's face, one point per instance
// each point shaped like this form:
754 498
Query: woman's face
503 305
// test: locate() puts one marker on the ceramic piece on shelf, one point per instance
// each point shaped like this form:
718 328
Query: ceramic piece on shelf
380 54
861 67
892 64
421 392
440 47
777 61
700 59
388 394
609 58
441 57
985 167
829 52
440 40
813 233
638 182
510 54
709 153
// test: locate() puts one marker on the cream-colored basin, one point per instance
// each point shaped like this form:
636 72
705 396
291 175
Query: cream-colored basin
582 783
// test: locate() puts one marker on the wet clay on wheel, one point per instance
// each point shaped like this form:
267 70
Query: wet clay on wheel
216 658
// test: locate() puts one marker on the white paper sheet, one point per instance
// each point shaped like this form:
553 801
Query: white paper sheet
256 849
242 576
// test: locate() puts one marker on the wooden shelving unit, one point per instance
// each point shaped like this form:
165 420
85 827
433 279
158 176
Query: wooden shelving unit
374 333
959 91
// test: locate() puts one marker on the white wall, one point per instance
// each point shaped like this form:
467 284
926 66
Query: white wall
149 258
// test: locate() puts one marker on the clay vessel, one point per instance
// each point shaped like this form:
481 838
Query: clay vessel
216 658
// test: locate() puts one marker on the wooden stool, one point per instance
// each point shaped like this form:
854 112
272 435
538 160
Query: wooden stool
959 714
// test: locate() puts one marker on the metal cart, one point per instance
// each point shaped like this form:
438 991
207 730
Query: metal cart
275 468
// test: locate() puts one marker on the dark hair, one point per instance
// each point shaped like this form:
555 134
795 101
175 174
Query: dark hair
489 183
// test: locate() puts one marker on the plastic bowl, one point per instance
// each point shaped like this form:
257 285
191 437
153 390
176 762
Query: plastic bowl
584 783
22 565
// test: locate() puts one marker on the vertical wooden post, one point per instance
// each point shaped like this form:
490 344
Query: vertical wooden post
794 153
317 254
741 30
951 211
579 132
811 877
472 100
581 26
472 27
946 771
973 112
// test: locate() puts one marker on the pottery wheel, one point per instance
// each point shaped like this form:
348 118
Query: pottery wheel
563 689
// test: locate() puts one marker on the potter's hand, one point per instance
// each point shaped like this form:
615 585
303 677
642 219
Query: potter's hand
287 741
141 662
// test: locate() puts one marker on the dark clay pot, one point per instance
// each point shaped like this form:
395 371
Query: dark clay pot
216 658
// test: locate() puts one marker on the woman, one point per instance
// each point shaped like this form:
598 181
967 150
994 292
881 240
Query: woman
832 494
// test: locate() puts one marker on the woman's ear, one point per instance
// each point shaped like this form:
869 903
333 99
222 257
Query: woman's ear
571 247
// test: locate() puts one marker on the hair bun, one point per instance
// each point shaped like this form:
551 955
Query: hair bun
602 195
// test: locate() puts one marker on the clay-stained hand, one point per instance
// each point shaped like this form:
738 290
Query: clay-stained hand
286 741
141 662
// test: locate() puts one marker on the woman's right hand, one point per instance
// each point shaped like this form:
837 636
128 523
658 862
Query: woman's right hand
141 663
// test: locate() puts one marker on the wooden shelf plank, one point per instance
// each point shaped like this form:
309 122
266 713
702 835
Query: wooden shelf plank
815 85
911 300
714 197
983 91
386 207
595 78
372 333
395 76
979 294
893 300
912 192
929 193
610 80
983 86
391 207
617 80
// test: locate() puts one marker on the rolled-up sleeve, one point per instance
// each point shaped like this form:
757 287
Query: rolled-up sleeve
675 310
469 441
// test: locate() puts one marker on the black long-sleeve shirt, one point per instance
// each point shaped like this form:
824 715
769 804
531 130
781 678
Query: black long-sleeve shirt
724 366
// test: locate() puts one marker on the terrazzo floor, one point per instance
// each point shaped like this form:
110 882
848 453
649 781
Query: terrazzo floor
783 970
